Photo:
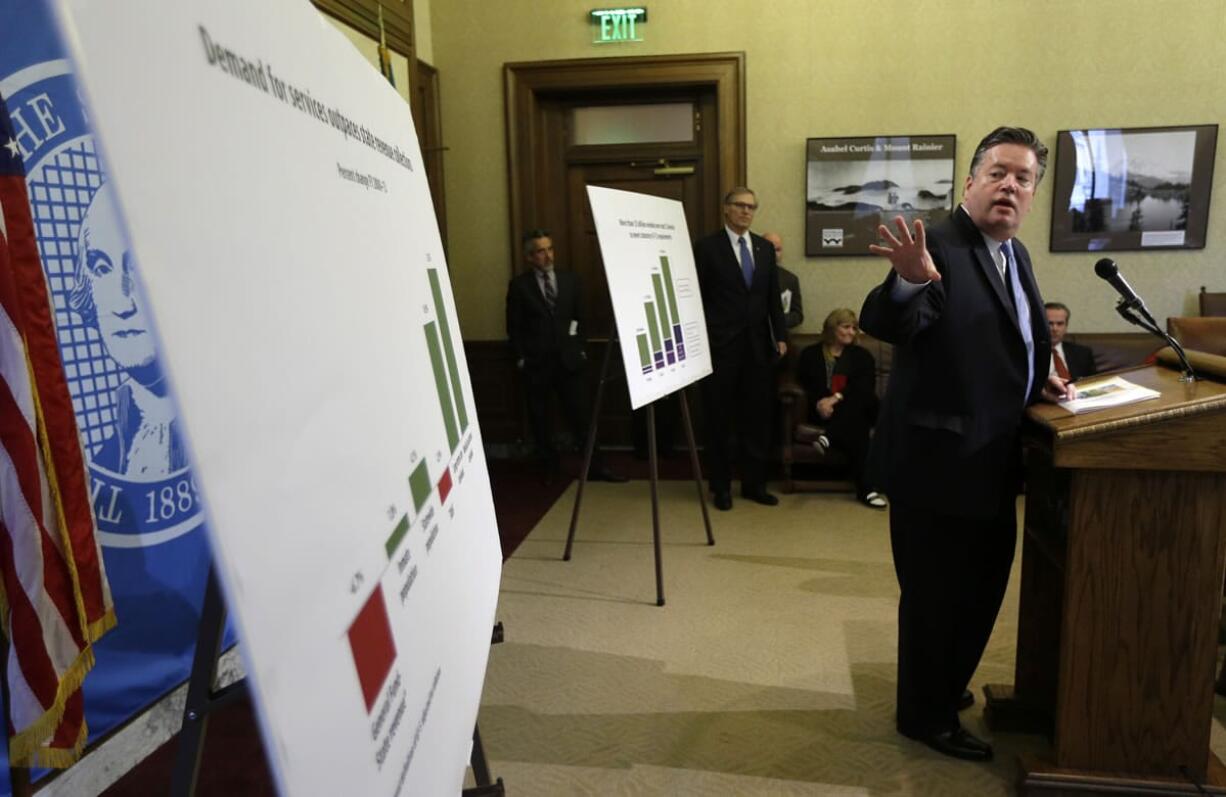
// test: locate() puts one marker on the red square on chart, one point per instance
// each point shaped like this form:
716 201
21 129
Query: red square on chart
444 486
370 641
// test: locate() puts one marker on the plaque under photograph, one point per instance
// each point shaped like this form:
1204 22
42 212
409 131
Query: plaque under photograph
855 184
1132 188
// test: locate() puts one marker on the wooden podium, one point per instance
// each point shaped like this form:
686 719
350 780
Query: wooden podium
1122 567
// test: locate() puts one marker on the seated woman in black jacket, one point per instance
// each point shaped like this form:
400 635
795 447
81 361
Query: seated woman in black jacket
839 379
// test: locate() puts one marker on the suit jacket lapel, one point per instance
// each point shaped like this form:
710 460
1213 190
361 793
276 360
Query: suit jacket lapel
734 258
987 266
532 286
992 274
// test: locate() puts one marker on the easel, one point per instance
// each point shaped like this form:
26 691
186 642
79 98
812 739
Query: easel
653 464
202 700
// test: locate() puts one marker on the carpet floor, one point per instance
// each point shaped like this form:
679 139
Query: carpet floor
769 671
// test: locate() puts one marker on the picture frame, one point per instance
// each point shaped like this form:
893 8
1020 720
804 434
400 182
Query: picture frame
854 184
1132 188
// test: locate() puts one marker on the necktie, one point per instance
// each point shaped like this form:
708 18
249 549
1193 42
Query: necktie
551 294
746 262
1061 369
1023 313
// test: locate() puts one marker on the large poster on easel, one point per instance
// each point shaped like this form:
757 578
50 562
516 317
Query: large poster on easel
653 285
273 193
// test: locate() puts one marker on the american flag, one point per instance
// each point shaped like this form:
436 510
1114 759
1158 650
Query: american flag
54 597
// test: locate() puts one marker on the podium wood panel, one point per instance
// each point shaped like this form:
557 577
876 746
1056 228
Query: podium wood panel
1122 567
1142 594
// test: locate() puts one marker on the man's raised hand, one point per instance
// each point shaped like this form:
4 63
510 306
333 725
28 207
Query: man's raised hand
908 254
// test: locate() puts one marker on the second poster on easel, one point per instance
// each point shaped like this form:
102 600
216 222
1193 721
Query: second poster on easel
653 286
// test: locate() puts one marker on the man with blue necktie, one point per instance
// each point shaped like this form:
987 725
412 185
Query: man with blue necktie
747 335
963 311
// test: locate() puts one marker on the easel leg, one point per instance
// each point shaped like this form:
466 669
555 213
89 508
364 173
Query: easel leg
485 786
201 699
481 767
655 499
694 466
589 449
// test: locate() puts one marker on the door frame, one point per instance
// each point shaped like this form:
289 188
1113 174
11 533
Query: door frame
526 83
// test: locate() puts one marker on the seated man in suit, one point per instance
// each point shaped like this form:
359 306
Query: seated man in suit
1068 360
545 323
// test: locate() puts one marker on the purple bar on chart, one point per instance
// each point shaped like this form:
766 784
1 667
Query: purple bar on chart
668 351
680 345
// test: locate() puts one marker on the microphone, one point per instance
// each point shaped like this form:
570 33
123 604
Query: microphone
1129 301
1108 270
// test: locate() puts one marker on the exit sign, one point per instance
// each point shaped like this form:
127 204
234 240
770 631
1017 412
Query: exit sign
614 25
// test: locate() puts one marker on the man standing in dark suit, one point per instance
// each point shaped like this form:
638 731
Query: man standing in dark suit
746 332
546 326
963 311
1068 359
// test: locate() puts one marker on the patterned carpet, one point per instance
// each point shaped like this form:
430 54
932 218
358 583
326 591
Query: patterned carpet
771 670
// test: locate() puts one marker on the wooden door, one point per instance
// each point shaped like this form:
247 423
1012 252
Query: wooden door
582 243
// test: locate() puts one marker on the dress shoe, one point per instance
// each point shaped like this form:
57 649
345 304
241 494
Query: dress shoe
958 743
605 475
722 500
760 496
966 701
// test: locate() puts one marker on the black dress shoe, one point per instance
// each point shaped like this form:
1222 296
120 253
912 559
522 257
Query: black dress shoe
605 475
722 500
958 743
760 496
966 701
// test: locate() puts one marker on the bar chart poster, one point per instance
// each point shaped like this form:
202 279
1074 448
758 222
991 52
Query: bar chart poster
272 187
653 285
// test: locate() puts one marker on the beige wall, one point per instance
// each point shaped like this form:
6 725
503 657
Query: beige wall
849 67
369 48
423 37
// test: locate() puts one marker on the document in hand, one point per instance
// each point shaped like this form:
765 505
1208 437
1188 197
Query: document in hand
1103 393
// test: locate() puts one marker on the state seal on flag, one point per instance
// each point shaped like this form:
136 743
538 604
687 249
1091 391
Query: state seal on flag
140 477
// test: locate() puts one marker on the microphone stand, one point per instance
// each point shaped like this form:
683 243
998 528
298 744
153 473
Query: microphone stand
1125 308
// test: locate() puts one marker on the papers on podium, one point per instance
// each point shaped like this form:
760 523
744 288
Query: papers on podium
1100 394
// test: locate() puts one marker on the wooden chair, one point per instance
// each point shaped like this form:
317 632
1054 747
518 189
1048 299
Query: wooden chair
1212 303
1195 333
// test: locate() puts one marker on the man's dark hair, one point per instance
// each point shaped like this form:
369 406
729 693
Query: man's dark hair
532 235
1012 135
1068 314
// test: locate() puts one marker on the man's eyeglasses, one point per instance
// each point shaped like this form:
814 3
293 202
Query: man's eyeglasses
743 206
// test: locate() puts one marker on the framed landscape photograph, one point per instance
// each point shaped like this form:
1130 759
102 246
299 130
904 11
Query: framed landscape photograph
854 184
1132 188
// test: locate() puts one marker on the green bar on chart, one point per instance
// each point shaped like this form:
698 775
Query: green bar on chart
419 485
672 292
644 352
398 534
653 326
440 384
440 312
665 326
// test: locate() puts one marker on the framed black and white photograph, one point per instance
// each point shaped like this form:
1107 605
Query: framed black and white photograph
854 184
1132 188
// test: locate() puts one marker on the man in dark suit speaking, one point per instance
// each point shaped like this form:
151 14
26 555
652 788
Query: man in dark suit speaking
963 311
746 332
1068 359
545 323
